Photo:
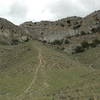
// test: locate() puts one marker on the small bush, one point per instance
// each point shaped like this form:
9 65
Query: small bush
93 30
92 45
57 42
42 33
96 41
1 27
66 41
83 33
30 24
79 49
14 42
44 41
62 48
62 25
91 98
85 44
68 21
76 26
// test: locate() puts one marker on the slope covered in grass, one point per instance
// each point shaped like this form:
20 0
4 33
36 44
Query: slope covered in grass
90 57
33 71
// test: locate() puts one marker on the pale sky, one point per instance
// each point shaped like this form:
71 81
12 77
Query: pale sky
19 11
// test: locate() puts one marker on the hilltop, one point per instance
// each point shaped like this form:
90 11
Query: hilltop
10 33
67 34
67 27
50 31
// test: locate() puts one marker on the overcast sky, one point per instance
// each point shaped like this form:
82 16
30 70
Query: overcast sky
19 11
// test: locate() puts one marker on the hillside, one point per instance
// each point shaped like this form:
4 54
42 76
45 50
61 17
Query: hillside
45 60
64 28
34 71
11 34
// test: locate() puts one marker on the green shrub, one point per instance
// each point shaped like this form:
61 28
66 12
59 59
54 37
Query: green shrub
83 33
66 41
85 44
14 42
78 49
91 98
76 26
68 21
96 41
57 42
62 25
92 45
62 48
44 41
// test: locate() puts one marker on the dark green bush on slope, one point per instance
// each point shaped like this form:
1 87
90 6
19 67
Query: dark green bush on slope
57 42
78 49
85 44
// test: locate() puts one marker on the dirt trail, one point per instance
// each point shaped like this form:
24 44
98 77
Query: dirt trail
41 64
36 72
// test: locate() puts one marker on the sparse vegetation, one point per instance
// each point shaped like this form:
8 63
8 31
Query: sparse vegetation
68 21
44 41
76 26
14 42
57 42
66 41
31 70
85 44
96 41
62 25
71 73
83 33
60 42
78 49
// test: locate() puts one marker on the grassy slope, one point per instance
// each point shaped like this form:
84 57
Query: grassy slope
90 57
32 71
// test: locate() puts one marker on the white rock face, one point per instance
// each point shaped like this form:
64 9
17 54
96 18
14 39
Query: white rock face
10 32
49 31
57 30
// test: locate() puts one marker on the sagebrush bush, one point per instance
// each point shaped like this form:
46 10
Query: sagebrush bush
14 42
66 41
96 41
78 49
83 33
57 42
84 44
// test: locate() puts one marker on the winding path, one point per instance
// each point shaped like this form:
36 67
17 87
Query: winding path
41 64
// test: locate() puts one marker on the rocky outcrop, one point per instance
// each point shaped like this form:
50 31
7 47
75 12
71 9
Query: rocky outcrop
10 33
49 31
67 27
